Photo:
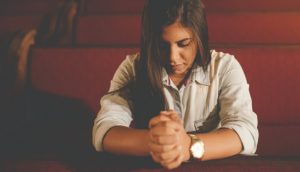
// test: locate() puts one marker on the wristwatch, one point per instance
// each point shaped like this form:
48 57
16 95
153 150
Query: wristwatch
197 147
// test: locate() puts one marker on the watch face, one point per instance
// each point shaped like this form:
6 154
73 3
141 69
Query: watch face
197 149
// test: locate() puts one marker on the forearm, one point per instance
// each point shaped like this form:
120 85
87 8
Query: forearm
221 143
126 141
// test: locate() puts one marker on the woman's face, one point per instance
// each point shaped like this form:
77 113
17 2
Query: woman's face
180 49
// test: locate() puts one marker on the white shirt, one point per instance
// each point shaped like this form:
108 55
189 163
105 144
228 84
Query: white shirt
218 98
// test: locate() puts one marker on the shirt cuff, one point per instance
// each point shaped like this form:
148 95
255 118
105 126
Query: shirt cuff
247 139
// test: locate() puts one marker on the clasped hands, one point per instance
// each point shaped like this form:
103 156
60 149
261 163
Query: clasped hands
169 143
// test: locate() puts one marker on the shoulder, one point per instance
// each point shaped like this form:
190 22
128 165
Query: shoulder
221 57
226 68
132 58
223 62
129 62
125 72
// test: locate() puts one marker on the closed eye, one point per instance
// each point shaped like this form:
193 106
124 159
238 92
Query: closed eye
184 43
181 43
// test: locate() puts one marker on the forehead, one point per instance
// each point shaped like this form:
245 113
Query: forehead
176 32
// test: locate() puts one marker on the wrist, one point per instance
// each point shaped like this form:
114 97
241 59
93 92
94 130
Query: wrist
147 142
187 152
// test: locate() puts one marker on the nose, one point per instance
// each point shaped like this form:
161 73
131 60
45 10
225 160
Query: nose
174 55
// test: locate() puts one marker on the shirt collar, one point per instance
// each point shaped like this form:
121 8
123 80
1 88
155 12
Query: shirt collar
165 77
200 76
197 75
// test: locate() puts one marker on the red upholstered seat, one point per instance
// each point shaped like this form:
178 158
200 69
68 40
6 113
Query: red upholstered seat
247 5
136 6
108 30
14 23
114 7
28 7
81 73
278 140
254 28
224 29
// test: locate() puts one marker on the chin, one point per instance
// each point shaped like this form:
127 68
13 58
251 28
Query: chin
179 72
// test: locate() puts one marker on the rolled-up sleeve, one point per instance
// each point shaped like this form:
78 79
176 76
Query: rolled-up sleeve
115 107
236 106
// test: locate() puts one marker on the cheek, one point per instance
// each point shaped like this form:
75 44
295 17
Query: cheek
189 56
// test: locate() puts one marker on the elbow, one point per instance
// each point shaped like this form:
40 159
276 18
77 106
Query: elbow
248 136
96 145
97 148
250 142
96 140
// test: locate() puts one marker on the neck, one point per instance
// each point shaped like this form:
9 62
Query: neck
178 80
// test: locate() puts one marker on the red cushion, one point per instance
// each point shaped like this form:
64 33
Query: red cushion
136 6
224 29
81 73
28 7
114 6
14 23
254 28
108 30
263 5
279 140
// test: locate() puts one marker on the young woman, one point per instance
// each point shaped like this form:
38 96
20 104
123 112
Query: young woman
177 99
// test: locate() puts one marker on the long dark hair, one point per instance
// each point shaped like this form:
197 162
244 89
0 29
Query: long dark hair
148 95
